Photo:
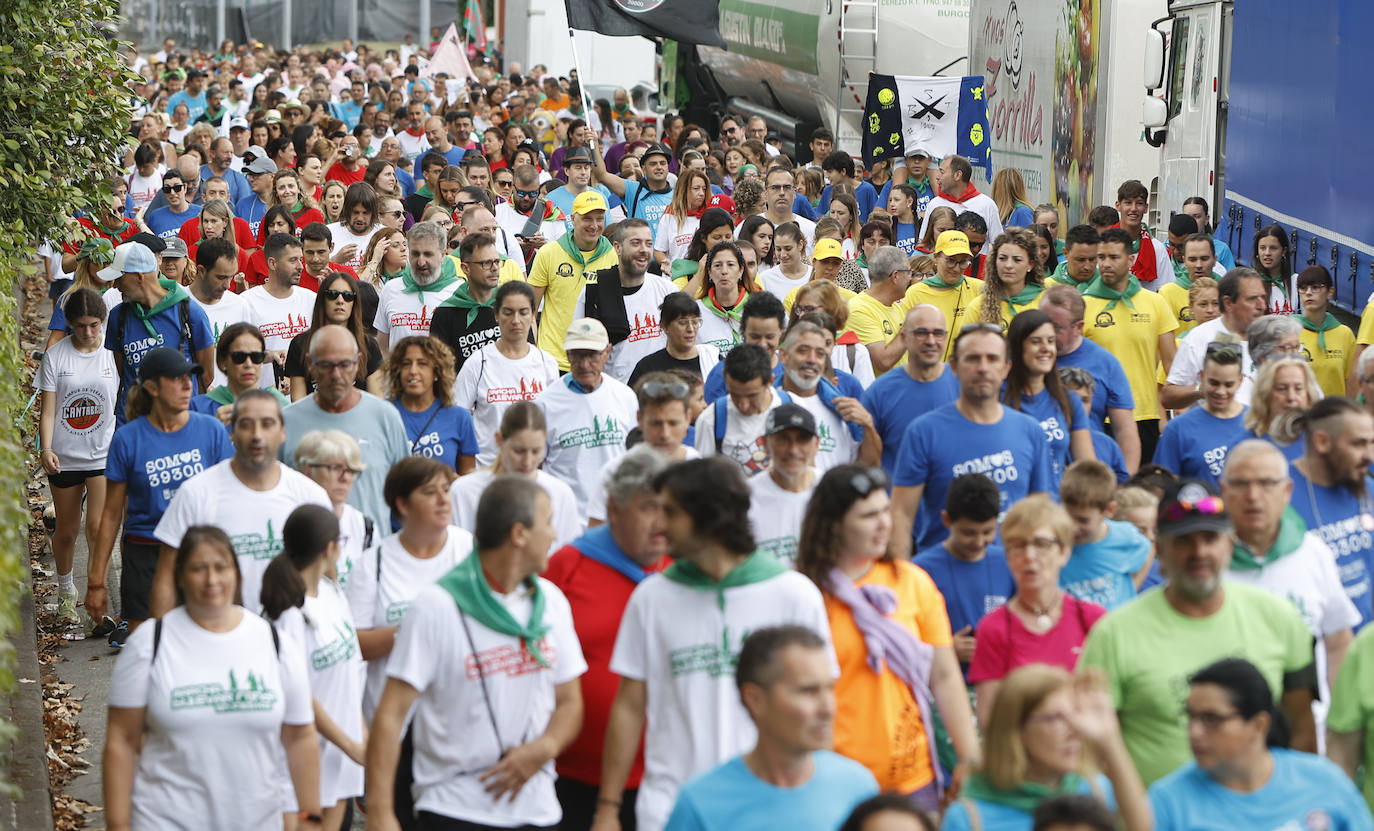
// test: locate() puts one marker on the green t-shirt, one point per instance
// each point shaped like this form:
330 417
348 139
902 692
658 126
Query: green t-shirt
1352 700
1148 650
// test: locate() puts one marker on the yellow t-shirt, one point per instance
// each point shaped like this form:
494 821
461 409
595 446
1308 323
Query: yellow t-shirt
959 306
845 295
562 279
1177 298
1333 367
875 322
1366 334
1132 335
1008 313
877 720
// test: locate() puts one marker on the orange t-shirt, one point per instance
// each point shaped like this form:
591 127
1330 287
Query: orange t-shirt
877 720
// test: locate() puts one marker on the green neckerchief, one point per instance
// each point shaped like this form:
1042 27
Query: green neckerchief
221 395
115 232
298 207
1061 276
684 268
388 276
1183 278
175 294
758 567
1328 323
409 286
462 299
569 246
423 190
735 312
1025 797
936 282
469 590
861 261
1276 282
1023 297
1099 288
1291 531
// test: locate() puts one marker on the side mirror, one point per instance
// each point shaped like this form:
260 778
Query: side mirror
1154 113
1154 59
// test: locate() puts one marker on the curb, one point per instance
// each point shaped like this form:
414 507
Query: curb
27 756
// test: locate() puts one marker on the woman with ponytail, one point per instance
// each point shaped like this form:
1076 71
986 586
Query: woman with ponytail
309 609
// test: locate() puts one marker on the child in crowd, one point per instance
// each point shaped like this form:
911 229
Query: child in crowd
1140 507
1081 383
1110 558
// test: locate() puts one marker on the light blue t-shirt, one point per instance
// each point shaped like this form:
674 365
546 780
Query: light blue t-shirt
563 199
132 342
1305 792
942 445
994 816
896 399
1112 389
731 798
1345 522
154 464
1058 426
642 203
865 195
1194 445
237 182
195 104
1100 572
165 222
449 432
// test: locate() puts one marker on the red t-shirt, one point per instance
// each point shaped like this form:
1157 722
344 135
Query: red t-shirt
598 595
243 233
1004 643
307 216
337 173
90 229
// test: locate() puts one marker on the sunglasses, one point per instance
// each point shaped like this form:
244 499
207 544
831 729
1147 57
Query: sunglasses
868 481
505 183
527 193
173 188
1180 510
671 389
335 294
239 357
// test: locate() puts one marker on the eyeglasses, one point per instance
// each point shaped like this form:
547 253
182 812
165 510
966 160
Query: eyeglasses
924 275
780 188
463 206
239 357
392 213
1265 484
1209 721
798 309
1038 545
868 481
337 470
1206 506
485 265
177 188
526 193
922 334
339 135
328 367
335 294
688 322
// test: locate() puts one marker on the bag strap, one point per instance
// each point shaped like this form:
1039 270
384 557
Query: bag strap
482 679
368 527
416 444
157 640
722 414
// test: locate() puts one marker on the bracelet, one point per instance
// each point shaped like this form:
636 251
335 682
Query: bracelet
94 586
307 816
601 800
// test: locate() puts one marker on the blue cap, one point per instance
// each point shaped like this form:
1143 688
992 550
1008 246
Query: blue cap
129 258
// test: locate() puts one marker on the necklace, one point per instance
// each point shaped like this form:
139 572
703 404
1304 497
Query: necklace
1043 621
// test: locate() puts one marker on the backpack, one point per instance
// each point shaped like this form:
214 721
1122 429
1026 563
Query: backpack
723 414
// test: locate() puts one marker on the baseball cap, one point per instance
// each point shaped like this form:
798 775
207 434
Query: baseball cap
657 149
165 362
564 115
575 155
1192 505
194 73
176 247
586 333
259 165
828 249
918 154
155 243
589 200
238 123
129 258
953 242
722 201
787 417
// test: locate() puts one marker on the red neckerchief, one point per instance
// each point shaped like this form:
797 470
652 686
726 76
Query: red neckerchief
969 192
847 338
414 132
1144 268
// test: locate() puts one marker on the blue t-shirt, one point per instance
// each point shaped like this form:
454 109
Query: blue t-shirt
1108 452
942 445
1291 451
801 206
994 816
251 209
1194 445
906 238
454 155
1113 389
730 797
165 222
1100 572
895 399
1020 217
195 104
133 342
714 385
238 183
448 432
925 191
154 464
407 182
1058 426
348 112
971 589
649 207
1345 522
865 195
1224 255
563 199
1304 792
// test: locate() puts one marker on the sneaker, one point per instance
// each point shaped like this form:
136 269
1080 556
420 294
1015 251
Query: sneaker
70 622
120 635
104 627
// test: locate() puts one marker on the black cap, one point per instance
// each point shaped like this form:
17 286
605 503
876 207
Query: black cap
577 154
788 417
1192 505
659 149
155 243
1182 225
165 362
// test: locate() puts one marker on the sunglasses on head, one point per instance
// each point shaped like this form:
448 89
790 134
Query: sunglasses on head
335 294
867 482
239 357
671 389
1207 506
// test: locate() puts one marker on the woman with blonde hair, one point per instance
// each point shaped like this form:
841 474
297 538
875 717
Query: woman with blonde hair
1046 734
1014 280
1013 205
1285 388
679 221
333 459
941 220
216 221
386 257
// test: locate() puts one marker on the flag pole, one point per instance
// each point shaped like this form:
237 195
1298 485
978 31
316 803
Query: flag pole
581 81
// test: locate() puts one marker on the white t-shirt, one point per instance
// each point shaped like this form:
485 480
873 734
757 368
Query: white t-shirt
568 524
214 707
674 239
401 314
743 442
489 383
861 368
586 430
1186 369
411 145
86 386
466 685
773 281
837 445
683 643
144 189
376 604
252 519
353 541
596 497
719 332
233 308
342 235
513 222
808 229
980 204
323 629
280 320
646 336
776 516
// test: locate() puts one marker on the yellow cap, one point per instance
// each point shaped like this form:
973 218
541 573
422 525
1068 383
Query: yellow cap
827 249
589 200
951 243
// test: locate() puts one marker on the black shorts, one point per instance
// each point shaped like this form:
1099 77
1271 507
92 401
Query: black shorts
136 579
72 478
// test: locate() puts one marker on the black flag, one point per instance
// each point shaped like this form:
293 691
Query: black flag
686 21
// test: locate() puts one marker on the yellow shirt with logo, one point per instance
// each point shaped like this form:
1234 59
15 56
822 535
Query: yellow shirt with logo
562 279
875 322
1333 366
959 305
1177 298
1132 335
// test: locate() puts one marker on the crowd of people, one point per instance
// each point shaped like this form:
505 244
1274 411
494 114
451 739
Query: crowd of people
478 456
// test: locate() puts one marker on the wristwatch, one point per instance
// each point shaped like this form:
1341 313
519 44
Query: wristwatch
307 816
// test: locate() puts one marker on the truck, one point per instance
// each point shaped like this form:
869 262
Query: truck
1255 107
802 64
1062 81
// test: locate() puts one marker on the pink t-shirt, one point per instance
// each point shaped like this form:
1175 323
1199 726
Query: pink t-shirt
1004 643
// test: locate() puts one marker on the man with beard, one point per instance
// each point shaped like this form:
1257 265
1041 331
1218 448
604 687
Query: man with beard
922 383
647 198
356 226
845 427
221 165
466 321
626 298
529 217
1331 491
1149 648
1243 296
406 305
280 308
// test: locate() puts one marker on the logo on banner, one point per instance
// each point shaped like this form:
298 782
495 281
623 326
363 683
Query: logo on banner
638 6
